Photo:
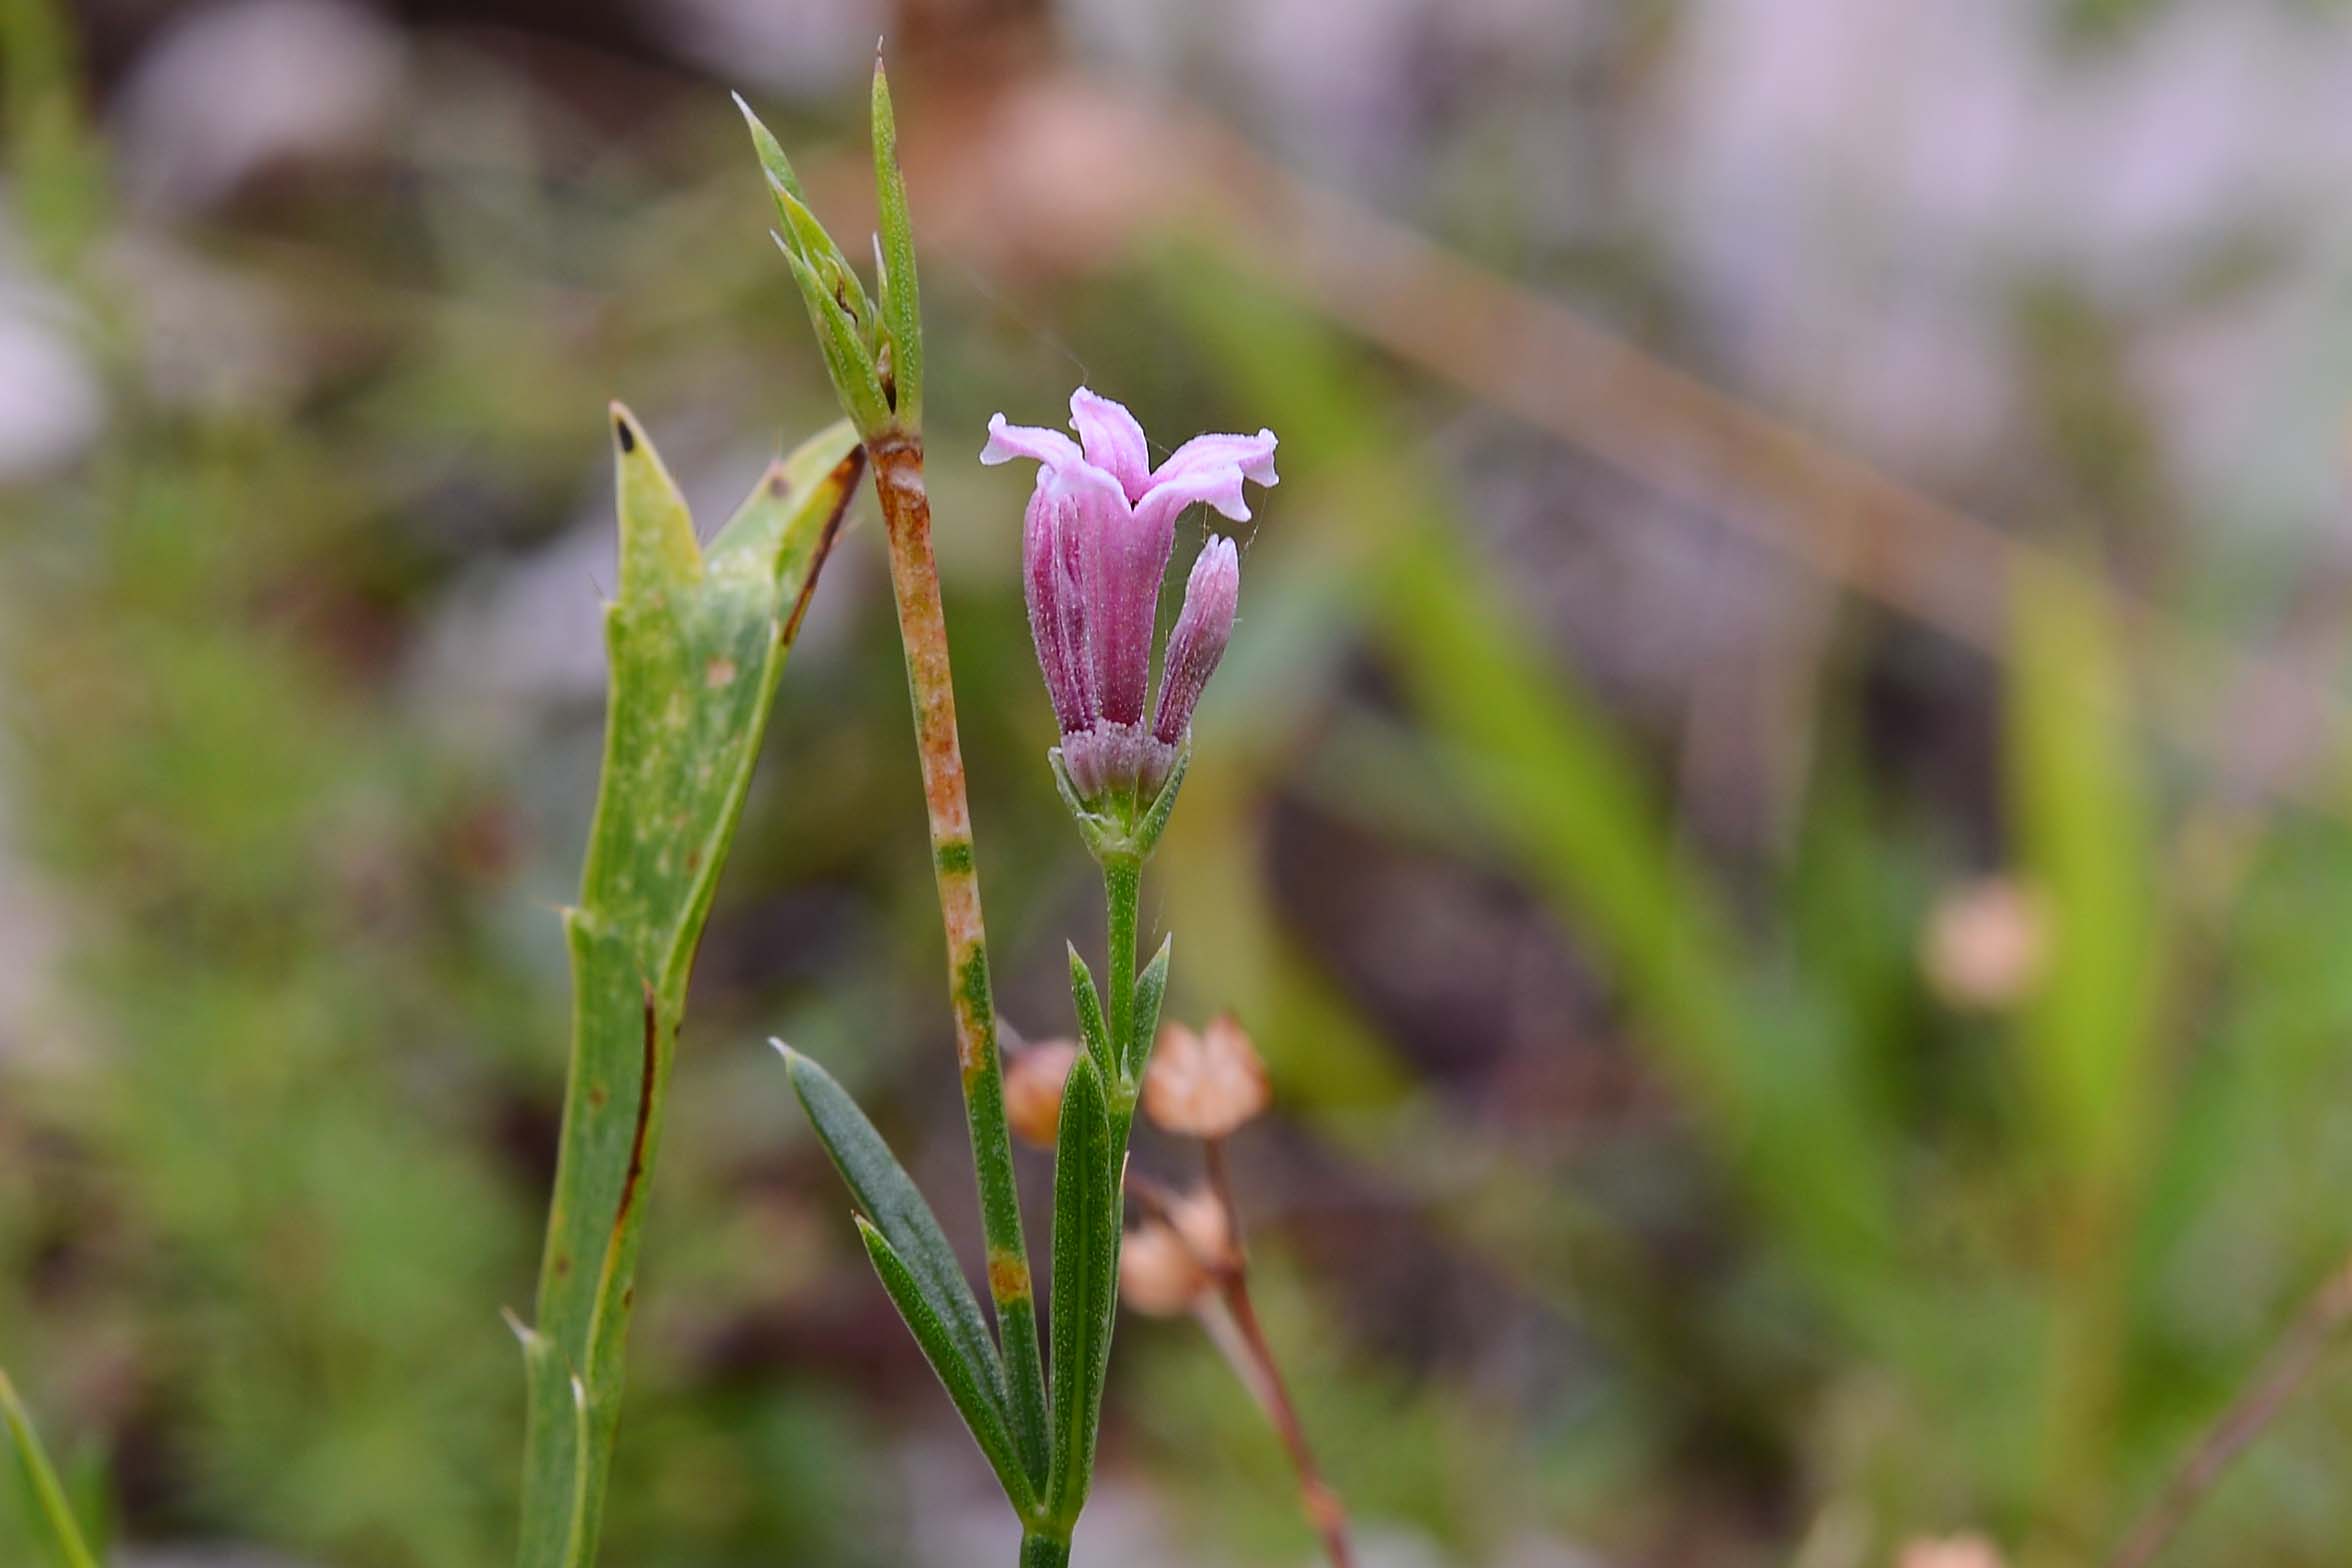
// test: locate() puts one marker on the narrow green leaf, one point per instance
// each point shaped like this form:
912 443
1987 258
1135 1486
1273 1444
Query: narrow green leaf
1085 1275
559 1448
1155 821
1151 987
66 1543
899 1213
771 154
847 358
971 1385
2090 1052
814 245
905 317
1092 1031
696 646
882 280
2085 1044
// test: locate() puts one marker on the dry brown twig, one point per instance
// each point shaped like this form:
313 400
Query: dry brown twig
1222 1305
2275 1383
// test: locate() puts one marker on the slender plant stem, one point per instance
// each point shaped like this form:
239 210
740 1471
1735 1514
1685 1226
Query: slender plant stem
1232 1321
1122 888
922 629
2281 1375
1043 1551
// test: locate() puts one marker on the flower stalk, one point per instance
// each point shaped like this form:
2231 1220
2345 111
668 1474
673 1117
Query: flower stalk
1097 540
874 356
922 628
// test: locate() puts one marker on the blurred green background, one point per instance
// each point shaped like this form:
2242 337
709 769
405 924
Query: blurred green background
1807 1019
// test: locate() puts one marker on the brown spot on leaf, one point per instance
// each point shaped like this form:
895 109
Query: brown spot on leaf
1008 1277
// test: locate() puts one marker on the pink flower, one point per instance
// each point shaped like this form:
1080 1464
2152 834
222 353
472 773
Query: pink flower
1100 528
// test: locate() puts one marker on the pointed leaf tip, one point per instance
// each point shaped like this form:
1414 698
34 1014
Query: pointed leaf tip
902 323
658 546
778 168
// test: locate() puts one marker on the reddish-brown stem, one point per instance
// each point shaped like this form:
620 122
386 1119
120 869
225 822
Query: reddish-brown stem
922 629
2281 1375
1231 1320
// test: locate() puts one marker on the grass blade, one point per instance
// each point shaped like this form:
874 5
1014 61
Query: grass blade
65 1535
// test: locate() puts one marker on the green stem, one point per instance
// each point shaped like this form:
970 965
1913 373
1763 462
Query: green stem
1043 1551
922 629
1122 885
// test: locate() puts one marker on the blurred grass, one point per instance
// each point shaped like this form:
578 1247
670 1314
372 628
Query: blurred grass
1750 1245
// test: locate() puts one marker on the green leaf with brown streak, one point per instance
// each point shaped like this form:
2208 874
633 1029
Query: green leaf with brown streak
696 639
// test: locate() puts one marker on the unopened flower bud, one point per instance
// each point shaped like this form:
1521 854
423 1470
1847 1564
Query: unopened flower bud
1033 1080
1205 1085
1203 627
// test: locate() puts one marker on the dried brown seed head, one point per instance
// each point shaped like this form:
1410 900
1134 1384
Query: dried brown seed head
1033 1082
1205 1085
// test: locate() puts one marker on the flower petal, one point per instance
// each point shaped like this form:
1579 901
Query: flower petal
1050 447
1211 469
1253 456
1056 621
1114 441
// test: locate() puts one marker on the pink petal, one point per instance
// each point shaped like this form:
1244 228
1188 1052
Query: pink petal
1056 620
1050 447
1220 487
1246 457
1114 441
